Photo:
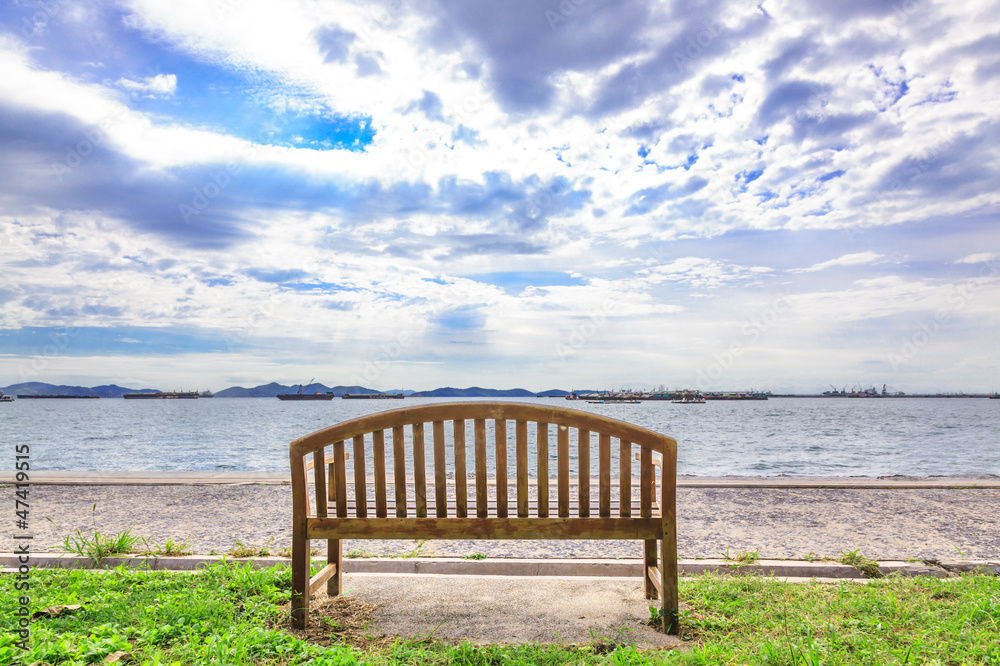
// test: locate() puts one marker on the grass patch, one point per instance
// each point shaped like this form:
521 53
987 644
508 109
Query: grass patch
741 558
241 549
101 546
474 556
868 568
232 614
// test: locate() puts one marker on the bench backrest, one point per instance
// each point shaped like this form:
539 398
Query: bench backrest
572 465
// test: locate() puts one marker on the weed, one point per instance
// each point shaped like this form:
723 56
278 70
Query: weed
418 551
170 548
241 549
868 568
101 546
354 554
474 556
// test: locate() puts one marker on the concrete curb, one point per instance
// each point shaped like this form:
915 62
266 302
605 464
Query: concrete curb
138 478
522 567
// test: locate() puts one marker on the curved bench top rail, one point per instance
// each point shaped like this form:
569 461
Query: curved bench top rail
509 411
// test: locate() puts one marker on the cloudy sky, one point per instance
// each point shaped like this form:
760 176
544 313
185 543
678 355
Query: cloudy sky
418 193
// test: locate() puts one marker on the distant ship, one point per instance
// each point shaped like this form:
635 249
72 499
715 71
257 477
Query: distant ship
306 396
25 396
372 396
206 394
6 398
736 395
162 395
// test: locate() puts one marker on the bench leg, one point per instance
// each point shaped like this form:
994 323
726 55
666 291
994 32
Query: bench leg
649 560
300 581
335 555
668 581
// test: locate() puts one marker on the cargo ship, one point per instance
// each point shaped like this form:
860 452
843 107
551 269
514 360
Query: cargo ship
162 395
6 398
736 395
306 396
372 396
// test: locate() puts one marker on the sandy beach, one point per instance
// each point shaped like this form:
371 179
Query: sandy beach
954 522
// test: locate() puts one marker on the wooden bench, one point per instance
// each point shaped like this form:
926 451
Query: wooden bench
376 502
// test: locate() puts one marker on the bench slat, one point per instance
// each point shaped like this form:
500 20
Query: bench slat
440 476
360 479
378 459
480 445
604 475
492 507
461 472
484 528
419 470
542 448
399 468
562 465
521 447
340 472
645 482
500 430
625 478
322 500
583 471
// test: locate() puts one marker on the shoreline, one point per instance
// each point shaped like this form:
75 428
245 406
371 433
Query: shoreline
153 478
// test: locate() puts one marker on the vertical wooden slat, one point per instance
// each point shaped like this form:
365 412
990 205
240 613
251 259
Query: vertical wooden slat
583 482
331 481
604 475
461 472
319 470
419 471
521 455
360 480
668 544
399 467
482 500
440 475
562 464
340 471
543 469
300 541
500 431
646 482
625 479
378 460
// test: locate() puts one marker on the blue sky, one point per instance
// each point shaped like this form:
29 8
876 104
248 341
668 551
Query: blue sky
419 193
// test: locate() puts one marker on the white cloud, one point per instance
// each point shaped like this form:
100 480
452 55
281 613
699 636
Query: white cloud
853 259
161 85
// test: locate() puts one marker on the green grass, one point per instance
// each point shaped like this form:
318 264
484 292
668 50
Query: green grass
231 614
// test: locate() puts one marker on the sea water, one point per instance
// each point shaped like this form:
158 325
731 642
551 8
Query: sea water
792 436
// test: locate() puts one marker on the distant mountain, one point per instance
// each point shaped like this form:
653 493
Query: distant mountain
263 391
552 393
398 391
273 389
115 391
41 388
474 392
